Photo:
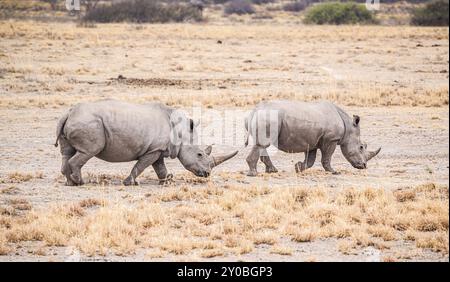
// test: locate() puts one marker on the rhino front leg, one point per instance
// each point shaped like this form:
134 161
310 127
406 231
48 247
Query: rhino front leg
310 158
252 161
270 168
142 163
327 151
161 171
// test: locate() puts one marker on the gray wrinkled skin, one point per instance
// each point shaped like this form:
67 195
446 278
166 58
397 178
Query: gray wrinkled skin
305 127
117 131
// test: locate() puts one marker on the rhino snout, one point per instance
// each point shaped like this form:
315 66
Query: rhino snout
360 165
204 174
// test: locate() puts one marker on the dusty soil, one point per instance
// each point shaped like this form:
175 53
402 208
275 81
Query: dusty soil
415 151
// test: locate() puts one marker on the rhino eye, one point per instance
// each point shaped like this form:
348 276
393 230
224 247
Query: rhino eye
361 147
199 155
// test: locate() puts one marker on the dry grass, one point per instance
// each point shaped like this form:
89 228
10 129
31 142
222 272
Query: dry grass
19 204
281 250
19 177
240 72
11 190
201 220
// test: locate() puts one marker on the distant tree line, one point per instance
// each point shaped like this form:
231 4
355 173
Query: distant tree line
433 13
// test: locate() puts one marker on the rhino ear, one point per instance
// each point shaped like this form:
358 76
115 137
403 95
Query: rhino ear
191 125
356 120
208 150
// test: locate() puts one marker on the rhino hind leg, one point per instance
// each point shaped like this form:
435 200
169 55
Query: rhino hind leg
310 158
142 163
270 168
252 161
76 163
67 152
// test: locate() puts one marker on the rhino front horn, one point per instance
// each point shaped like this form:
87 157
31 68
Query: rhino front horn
217 160
372 154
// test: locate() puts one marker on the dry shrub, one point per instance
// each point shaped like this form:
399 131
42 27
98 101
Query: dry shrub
389 259
281 250
437 242
403 196
212 253
89 203
216 222
19 177
347 247
142 11
20 204
244 247
267 237
11 190
382 231
302 234
4 248
177 245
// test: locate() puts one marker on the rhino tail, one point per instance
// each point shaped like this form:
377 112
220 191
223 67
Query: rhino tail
60 127
247 131
246 138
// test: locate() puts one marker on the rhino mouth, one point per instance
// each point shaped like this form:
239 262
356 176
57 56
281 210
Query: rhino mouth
204 174
360 166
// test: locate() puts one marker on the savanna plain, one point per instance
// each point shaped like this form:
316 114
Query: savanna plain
395 78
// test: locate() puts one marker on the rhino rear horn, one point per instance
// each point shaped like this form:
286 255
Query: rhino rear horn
217 160
372 154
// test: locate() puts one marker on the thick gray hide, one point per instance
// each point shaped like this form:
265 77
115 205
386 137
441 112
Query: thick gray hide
117 131
296 127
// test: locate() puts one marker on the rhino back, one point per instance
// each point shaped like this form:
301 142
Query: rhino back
129 130
305 125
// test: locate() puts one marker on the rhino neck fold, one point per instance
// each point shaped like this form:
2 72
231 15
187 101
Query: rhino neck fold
346 123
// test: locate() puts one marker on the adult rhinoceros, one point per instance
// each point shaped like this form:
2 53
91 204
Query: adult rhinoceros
117 131
295 127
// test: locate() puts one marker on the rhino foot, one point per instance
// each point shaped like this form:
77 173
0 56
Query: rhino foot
167 180
69 183
75 180
129 181
271 170
299 167
252 173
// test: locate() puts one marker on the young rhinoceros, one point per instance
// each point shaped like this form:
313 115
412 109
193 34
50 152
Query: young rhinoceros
296 127
117 131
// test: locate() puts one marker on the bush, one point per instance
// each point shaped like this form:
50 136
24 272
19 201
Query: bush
338 13
53 3
435 13
260 2
296 6
239 7
143 11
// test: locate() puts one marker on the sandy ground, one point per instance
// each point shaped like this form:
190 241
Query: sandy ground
415 151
